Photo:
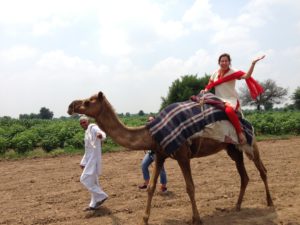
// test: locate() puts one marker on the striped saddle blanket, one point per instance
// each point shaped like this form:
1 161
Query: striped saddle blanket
179 121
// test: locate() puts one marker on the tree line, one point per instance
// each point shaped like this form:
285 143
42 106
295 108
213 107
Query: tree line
44 114
182 88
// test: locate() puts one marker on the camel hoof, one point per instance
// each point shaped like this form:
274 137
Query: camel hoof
145 220
238 208
270 203
197 221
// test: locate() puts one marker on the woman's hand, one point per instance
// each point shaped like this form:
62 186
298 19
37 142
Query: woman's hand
203 91
258 58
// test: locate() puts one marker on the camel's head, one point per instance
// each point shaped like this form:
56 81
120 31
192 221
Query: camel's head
90 107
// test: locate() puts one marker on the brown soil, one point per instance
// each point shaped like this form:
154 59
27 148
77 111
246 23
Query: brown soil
48 191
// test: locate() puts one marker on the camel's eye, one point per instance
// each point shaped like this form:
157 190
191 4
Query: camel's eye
86 103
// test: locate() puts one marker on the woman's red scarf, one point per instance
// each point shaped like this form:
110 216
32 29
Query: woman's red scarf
254 87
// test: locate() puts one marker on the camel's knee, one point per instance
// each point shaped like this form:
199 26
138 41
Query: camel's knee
263 176
245 181
151 190
262 170
190 189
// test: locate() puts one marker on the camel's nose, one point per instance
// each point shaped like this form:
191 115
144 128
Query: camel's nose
71 108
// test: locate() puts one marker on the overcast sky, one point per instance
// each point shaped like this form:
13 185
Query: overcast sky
53 52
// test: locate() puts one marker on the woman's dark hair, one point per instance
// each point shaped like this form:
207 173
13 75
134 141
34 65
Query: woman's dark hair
224 55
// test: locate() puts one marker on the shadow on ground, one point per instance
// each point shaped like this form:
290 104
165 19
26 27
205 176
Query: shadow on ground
247 216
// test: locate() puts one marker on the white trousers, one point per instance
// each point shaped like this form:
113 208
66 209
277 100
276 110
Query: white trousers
91 182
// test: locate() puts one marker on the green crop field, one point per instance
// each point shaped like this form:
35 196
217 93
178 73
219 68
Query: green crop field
33 137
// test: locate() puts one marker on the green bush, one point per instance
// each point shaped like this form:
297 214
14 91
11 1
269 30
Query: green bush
76 141
50 142
3 144
275 123
21 143
22 136
14 129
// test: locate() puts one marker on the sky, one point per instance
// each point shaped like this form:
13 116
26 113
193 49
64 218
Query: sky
53 52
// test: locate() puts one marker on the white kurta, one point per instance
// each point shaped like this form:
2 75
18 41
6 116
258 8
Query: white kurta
92 157
92 164
226 91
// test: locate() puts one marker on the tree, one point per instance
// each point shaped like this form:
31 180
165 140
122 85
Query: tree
45 113
181 89
273 94
29 116
296 98
141 113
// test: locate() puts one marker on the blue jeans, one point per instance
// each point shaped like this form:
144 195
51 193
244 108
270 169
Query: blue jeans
148 159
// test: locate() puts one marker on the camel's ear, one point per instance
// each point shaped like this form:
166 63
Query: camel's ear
100 95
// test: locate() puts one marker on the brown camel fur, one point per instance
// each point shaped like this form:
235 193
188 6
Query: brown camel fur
139 138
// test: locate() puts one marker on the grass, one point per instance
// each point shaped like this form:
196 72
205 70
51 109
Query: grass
273 137
40 153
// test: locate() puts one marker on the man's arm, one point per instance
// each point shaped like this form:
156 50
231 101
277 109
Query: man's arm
98 133
101 135
83 161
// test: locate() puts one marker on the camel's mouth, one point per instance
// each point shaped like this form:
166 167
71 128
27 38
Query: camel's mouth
74 107
70 109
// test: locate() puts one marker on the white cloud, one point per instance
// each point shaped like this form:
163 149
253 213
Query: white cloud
125 65
293 53
20 52
114 42
201 17
298 28
46 27
58 60
32 11
171 30
200 62
133 50
231 34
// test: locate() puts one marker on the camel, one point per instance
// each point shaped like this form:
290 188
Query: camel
139 138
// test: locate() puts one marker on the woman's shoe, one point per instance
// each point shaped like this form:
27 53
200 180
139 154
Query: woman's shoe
163 189
143 186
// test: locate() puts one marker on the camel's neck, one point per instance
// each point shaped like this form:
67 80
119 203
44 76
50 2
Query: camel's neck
137 138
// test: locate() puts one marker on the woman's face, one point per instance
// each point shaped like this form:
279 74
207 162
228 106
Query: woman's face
224 63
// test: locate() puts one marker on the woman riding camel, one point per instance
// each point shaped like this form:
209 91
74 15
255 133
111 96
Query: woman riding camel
223 80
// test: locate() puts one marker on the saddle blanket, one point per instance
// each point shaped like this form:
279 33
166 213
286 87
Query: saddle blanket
180 121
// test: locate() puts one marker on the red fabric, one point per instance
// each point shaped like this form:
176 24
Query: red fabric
253 86
219 73
233 118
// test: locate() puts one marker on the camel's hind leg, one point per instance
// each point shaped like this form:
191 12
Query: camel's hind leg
183 159
263 172
159 161
237 156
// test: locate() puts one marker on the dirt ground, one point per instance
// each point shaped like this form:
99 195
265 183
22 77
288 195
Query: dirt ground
48 191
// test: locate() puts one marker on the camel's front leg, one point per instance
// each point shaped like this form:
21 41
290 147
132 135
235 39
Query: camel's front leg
184 163
159 161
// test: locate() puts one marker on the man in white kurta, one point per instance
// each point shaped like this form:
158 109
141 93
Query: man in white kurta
91 162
